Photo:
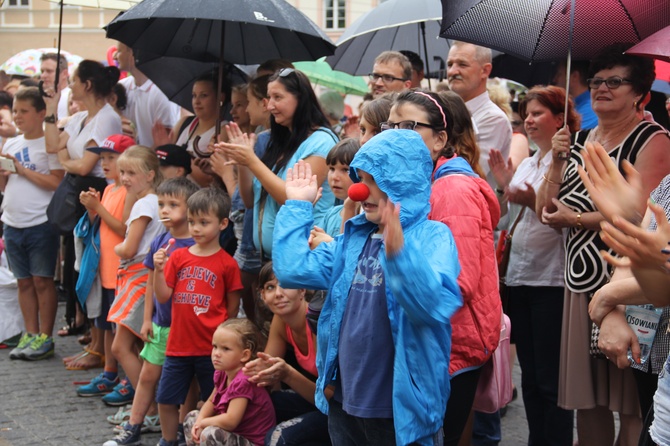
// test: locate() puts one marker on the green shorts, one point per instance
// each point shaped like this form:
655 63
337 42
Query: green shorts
154 350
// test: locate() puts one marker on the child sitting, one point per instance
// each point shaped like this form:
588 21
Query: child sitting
204 283
383 336
238 412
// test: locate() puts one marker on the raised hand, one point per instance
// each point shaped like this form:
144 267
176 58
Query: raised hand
643 249
610 191
160 134
389 214
300 183
502 171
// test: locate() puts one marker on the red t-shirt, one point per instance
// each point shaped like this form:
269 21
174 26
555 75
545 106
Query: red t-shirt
200 286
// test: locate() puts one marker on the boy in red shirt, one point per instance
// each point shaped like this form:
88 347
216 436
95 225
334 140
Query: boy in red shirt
203 282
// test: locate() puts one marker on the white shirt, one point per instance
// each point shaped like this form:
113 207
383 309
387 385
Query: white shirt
538 251
146 206
493 131
204 138
62 103
147 105
25 203
102 126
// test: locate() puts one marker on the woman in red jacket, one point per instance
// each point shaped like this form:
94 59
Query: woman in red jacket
465 202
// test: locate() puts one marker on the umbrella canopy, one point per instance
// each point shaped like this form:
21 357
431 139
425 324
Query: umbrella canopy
540 29
27 62
175 77
241 32
393 25
121 5
321 73
657 46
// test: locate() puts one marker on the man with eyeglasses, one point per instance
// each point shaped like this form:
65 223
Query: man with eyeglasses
468 69
579 90
392 71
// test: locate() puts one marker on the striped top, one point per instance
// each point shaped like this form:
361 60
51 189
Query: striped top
585 270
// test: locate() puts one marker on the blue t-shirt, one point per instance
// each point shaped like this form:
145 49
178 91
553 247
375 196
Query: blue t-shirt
366 343
318 143
163 312
332 221
247 242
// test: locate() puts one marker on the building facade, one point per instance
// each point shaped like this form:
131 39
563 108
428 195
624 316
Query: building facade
28 24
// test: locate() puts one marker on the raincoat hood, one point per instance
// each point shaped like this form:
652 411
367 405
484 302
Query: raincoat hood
400 164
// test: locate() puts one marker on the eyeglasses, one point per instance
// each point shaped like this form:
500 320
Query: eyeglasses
406 125
612 83
386 78
285 72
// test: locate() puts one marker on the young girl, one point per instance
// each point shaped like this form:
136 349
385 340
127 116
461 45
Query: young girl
139 170
238 412
300 422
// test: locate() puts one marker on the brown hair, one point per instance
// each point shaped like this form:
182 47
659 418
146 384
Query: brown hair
248 333
553 98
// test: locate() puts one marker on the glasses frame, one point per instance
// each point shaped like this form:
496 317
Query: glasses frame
612 82
389 125
386 78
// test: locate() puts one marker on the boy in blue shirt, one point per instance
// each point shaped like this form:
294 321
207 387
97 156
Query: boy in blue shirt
384 335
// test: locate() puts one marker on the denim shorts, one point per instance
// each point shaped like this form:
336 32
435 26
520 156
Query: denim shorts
176 377
154 350
32 252
107 300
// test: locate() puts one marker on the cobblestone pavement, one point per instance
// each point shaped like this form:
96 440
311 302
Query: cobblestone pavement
39 406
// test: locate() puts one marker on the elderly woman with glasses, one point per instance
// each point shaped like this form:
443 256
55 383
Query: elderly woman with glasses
298 130
593 386
464 201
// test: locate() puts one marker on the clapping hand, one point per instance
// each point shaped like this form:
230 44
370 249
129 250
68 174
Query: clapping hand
610 191
240 148
502 171
300 183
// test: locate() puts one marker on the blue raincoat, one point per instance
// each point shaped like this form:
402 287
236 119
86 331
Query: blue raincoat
421 287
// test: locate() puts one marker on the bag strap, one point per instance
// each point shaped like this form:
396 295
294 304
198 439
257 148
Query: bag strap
516 222
187 121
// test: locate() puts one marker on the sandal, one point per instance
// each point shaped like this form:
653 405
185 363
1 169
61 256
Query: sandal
85 339
77 364
72 330
69 359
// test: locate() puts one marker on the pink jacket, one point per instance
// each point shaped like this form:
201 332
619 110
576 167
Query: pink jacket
468 205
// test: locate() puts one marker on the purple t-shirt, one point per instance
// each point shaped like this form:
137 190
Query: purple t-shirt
163 312
366 353
259 417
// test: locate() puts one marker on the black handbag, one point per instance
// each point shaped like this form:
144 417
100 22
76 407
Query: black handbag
65 210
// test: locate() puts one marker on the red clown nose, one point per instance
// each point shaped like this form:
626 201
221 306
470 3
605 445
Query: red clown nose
359 192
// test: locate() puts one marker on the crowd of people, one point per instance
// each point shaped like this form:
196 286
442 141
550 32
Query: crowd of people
263 272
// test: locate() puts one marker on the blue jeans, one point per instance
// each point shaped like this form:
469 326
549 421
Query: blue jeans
347 430
299 422
486 429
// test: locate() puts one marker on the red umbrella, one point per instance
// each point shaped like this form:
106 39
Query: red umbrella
656 46
662 70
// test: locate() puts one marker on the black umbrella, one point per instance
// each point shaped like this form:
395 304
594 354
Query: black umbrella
175 77
235 31
393 25
540 29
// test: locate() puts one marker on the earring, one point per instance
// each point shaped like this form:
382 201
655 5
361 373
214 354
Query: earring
635 105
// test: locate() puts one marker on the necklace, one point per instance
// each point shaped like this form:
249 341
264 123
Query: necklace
605 142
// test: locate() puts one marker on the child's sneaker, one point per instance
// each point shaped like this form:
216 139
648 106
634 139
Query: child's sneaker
42 347
98 386
164 442
24 344
150 424
122 394
130 435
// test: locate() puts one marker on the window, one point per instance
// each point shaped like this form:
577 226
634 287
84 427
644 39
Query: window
335 14
18 3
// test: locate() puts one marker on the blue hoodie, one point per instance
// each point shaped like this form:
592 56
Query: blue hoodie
421 282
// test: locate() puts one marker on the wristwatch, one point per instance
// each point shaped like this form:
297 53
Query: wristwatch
51 119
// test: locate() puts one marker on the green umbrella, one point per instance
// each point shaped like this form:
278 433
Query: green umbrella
320 73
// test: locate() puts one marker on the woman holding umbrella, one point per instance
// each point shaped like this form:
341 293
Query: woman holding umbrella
595 387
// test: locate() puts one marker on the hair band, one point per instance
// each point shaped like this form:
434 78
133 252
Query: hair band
444 118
